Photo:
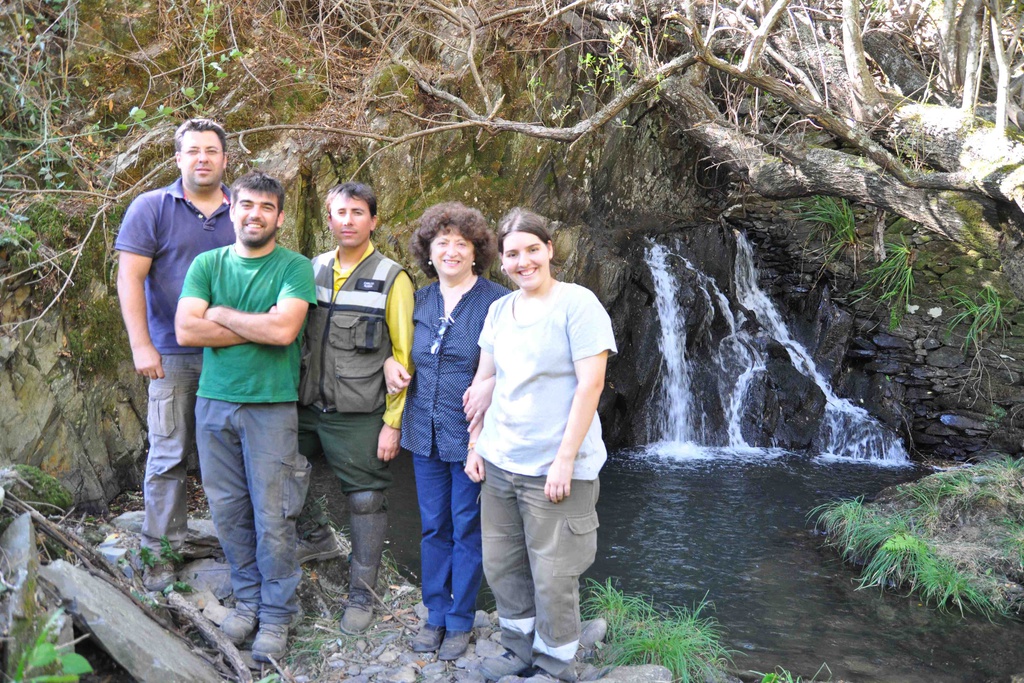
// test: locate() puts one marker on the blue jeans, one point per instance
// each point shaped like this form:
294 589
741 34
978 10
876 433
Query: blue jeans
256 481
450 550
172 439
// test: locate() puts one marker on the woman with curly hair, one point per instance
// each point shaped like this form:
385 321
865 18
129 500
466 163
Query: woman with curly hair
453 244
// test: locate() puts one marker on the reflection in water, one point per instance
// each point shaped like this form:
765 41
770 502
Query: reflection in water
735 529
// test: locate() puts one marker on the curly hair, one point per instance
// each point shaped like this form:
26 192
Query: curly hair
451 217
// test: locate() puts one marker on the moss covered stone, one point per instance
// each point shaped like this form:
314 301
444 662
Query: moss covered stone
35 487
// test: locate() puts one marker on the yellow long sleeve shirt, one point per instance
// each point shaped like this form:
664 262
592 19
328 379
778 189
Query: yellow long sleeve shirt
398 316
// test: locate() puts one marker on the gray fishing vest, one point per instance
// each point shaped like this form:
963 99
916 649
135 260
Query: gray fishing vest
347 339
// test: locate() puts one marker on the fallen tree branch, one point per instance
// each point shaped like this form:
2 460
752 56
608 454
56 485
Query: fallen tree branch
211 634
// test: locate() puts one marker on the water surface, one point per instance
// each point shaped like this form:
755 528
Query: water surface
680 523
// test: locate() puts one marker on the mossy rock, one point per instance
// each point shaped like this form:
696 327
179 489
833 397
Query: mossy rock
42 490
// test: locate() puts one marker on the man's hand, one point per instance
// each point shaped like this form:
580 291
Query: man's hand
148 362
388 443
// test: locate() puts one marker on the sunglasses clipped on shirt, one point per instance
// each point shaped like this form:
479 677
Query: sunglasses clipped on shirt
436 346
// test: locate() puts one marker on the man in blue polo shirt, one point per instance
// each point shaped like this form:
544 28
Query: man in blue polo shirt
162 232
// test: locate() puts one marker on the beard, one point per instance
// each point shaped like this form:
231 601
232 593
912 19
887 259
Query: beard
256 241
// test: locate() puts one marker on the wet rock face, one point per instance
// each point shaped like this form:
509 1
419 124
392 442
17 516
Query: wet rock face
947 397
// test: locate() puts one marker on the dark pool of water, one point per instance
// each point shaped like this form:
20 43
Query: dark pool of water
734 531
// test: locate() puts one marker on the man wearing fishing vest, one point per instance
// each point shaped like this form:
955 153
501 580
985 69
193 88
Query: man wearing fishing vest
363 315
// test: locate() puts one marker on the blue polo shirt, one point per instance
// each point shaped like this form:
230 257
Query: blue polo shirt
169 229
434 422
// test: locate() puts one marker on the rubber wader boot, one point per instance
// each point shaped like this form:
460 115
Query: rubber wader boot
369 520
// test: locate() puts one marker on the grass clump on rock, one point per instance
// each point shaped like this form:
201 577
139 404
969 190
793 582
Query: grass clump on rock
955 539
683 641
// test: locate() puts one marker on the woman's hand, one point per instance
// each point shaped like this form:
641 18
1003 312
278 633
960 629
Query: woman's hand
396 377
476 400
475 466
559 481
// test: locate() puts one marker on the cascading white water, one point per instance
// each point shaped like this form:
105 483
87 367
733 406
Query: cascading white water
848 432
675 421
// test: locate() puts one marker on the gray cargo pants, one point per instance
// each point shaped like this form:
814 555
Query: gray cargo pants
534 552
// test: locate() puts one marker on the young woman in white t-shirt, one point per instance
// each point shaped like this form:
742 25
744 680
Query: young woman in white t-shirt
538 451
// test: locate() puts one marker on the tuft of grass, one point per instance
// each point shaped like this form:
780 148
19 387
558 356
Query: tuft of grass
684 641
919 541
983 315
892 281
836 226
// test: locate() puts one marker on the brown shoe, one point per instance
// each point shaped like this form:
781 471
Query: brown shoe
428 639
359 614
158 577
454 645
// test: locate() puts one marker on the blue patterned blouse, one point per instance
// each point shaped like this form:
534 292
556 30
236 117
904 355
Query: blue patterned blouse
445 355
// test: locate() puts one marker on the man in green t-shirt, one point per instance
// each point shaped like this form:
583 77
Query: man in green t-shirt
246 305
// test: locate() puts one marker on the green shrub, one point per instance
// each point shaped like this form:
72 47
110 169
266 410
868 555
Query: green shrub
983 315
892 281
684 641
836 226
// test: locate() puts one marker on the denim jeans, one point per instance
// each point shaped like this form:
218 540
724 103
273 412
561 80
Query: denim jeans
256 481
534 553
172 440
450 548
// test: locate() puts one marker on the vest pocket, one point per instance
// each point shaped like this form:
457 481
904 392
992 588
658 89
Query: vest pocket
363 333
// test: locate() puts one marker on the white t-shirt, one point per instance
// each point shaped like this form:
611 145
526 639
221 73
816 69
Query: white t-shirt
536 379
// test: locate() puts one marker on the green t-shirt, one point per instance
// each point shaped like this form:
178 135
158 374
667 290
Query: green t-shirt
250 373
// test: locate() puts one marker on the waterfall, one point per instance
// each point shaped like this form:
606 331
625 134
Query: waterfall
846 431
675 423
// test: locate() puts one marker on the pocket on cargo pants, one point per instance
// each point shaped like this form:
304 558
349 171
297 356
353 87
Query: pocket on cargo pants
161 408
577 544
295 485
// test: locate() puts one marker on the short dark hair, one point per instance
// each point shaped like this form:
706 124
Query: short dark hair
522 220
449 217
353 191
260 183
200 126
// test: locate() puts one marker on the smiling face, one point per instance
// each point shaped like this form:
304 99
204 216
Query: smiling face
527 260
256 218
452 256
351 223
201 161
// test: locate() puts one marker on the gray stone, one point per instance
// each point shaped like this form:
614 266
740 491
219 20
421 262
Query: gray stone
888 341
469 677
434 668
406 674
139 644
961 422
374 669
592 632
200 598
945 357
489 648
200 541
208 574
216 612
648 673
19 562
481 620
421 611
